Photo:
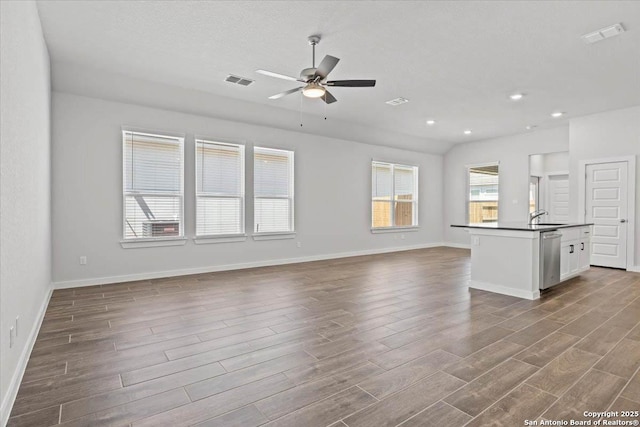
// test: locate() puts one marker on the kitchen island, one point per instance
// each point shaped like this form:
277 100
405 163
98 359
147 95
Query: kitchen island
510 257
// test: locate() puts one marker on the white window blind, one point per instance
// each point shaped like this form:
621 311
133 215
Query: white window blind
273 190
153 186
219 188
394 198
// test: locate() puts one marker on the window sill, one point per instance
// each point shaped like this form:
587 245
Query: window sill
274 236
394 229
225 238
152 243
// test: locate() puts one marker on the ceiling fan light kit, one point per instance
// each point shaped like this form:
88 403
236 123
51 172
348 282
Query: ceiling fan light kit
315 79
313 90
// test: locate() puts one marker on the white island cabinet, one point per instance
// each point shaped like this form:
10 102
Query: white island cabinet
575 251
506 258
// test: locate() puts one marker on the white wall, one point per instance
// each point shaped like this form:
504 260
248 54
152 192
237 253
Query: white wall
332 190
541 164
513 154
536 165
25 209
556 162
605 135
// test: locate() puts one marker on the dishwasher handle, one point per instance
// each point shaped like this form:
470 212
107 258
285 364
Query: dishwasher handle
546 236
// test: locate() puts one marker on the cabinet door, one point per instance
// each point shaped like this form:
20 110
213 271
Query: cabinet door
584 252
565 257
574 257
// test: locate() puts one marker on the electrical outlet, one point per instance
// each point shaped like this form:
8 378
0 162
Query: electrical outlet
476 241
83 260
402 236
299 244
12 336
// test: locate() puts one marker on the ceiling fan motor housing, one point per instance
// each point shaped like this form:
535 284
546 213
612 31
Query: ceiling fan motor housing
308 74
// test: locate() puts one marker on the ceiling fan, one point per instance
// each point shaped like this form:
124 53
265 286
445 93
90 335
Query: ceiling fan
315 79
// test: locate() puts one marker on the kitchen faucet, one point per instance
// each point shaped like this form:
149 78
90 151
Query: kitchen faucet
536 214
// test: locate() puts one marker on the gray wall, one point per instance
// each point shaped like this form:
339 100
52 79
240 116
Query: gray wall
25 208
332 191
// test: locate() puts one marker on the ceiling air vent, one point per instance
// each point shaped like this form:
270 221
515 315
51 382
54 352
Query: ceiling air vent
238 80
603 33
397 101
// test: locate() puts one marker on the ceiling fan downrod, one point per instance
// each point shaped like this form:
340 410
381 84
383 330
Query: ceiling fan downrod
313 41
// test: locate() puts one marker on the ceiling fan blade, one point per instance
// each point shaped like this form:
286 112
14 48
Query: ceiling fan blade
278 75
328 63
288 92
328 98
352 83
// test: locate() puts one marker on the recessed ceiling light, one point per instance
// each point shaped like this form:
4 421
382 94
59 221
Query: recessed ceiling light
557 114
431 122
467 132
516 96
397 101
530 127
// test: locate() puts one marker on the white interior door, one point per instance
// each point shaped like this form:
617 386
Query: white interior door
558 196
606 207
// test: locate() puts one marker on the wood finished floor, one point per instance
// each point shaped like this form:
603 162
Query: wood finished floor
382 340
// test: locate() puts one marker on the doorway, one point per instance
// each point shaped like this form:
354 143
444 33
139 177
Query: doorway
558 197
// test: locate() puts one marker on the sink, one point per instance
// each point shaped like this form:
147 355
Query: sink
550 223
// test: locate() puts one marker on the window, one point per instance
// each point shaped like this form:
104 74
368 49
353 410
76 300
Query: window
534 193
273 190
483 193
219 188
153 186
394 195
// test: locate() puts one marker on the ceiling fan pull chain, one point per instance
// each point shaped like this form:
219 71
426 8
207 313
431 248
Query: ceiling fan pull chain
325 105
300 109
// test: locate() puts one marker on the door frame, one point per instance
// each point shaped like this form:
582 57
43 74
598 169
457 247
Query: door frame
631 199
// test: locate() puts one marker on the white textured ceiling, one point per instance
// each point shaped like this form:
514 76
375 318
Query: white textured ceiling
455 61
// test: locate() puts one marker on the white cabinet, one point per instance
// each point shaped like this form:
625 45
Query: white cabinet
574 258
574 251
565 254
511 260
585 255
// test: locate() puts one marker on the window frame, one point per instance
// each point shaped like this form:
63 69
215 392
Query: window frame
226 237
415 200
468 187
135 242
273 235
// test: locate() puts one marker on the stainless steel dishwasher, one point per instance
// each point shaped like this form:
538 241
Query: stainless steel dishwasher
549 259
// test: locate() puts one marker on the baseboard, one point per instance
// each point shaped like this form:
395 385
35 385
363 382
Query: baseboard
16 379
457 245
634 269
240 266
491 287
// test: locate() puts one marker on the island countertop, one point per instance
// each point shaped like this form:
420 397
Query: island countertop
519 226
